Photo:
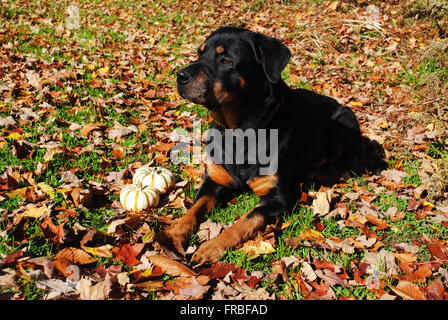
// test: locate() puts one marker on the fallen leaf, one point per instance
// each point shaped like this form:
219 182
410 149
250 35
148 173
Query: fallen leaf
321 205
99 291
104 251
170 266
36 212
91 127
52 233
128 253
436 290
75 255
408 291
218 270
307 271
380 224
311 235
393 175
195 290
257 247
405 257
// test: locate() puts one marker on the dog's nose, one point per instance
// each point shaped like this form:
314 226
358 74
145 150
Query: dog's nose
183 76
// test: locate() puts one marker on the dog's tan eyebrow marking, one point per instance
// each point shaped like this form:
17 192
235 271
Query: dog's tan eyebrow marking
220 49
242 82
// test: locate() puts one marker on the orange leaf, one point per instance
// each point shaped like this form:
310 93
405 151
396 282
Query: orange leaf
311 235
408 291
52 232
170 266
380 224
90 127
75 255
164 147
128 254
422 273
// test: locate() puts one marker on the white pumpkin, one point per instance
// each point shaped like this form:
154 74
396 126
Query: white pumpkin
136 197
159 178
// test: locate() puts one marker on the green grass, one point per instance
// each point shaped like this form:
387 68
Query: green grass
102 39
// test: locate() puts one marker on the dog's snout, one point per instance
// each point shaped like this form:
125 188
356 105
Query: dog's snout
183 76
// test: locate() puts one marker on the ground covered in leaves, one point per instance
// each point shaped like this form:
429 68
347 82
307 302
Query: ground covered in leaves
83 105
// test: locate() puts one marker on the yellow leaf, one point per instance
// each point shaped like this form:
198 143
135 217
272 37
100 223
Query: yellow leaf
355 104
311 234
35 212
370 63
254 248
101 251
103 70
147 272
17 192
90 66
428 204
14 136
46 188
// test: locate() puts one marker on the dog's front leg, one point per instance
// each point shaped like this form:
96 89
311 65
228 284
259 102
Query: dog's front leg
244 229
176 236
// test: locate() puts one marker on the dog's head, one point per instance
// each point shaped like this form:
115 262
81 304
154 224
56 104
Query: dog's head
233 64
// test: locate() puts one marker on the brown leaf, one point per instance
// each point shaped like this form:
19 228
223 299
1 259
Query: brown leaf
380 224
279 273
422 273
393 175
405 257
170 266
195 290
52 232
75 255
209 230
90 127
321 205
164 147
46 263
436 290
408 291
218 270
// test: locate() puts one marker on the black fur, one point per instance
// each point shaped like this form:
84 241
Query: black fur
313 129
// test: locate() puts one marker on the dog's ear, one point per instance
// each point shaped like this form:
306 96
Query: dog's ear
272 54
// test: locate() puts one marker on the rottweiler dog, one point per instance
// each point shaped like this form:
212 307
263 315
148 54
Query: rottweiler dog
237 77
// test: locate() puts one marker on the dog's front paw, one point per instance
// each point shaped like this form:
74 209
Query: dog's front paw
209 252
175 237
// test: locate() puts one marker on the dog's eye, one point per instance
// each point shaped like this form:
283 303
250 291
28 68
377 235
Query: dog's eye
225 61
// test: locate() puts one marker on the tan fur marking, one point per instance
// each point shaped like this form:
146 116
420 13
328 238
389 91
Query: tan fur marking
228 116
244 229
220 49
242 82
221 95
219 175
202 47
262 185
178 234
219 118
